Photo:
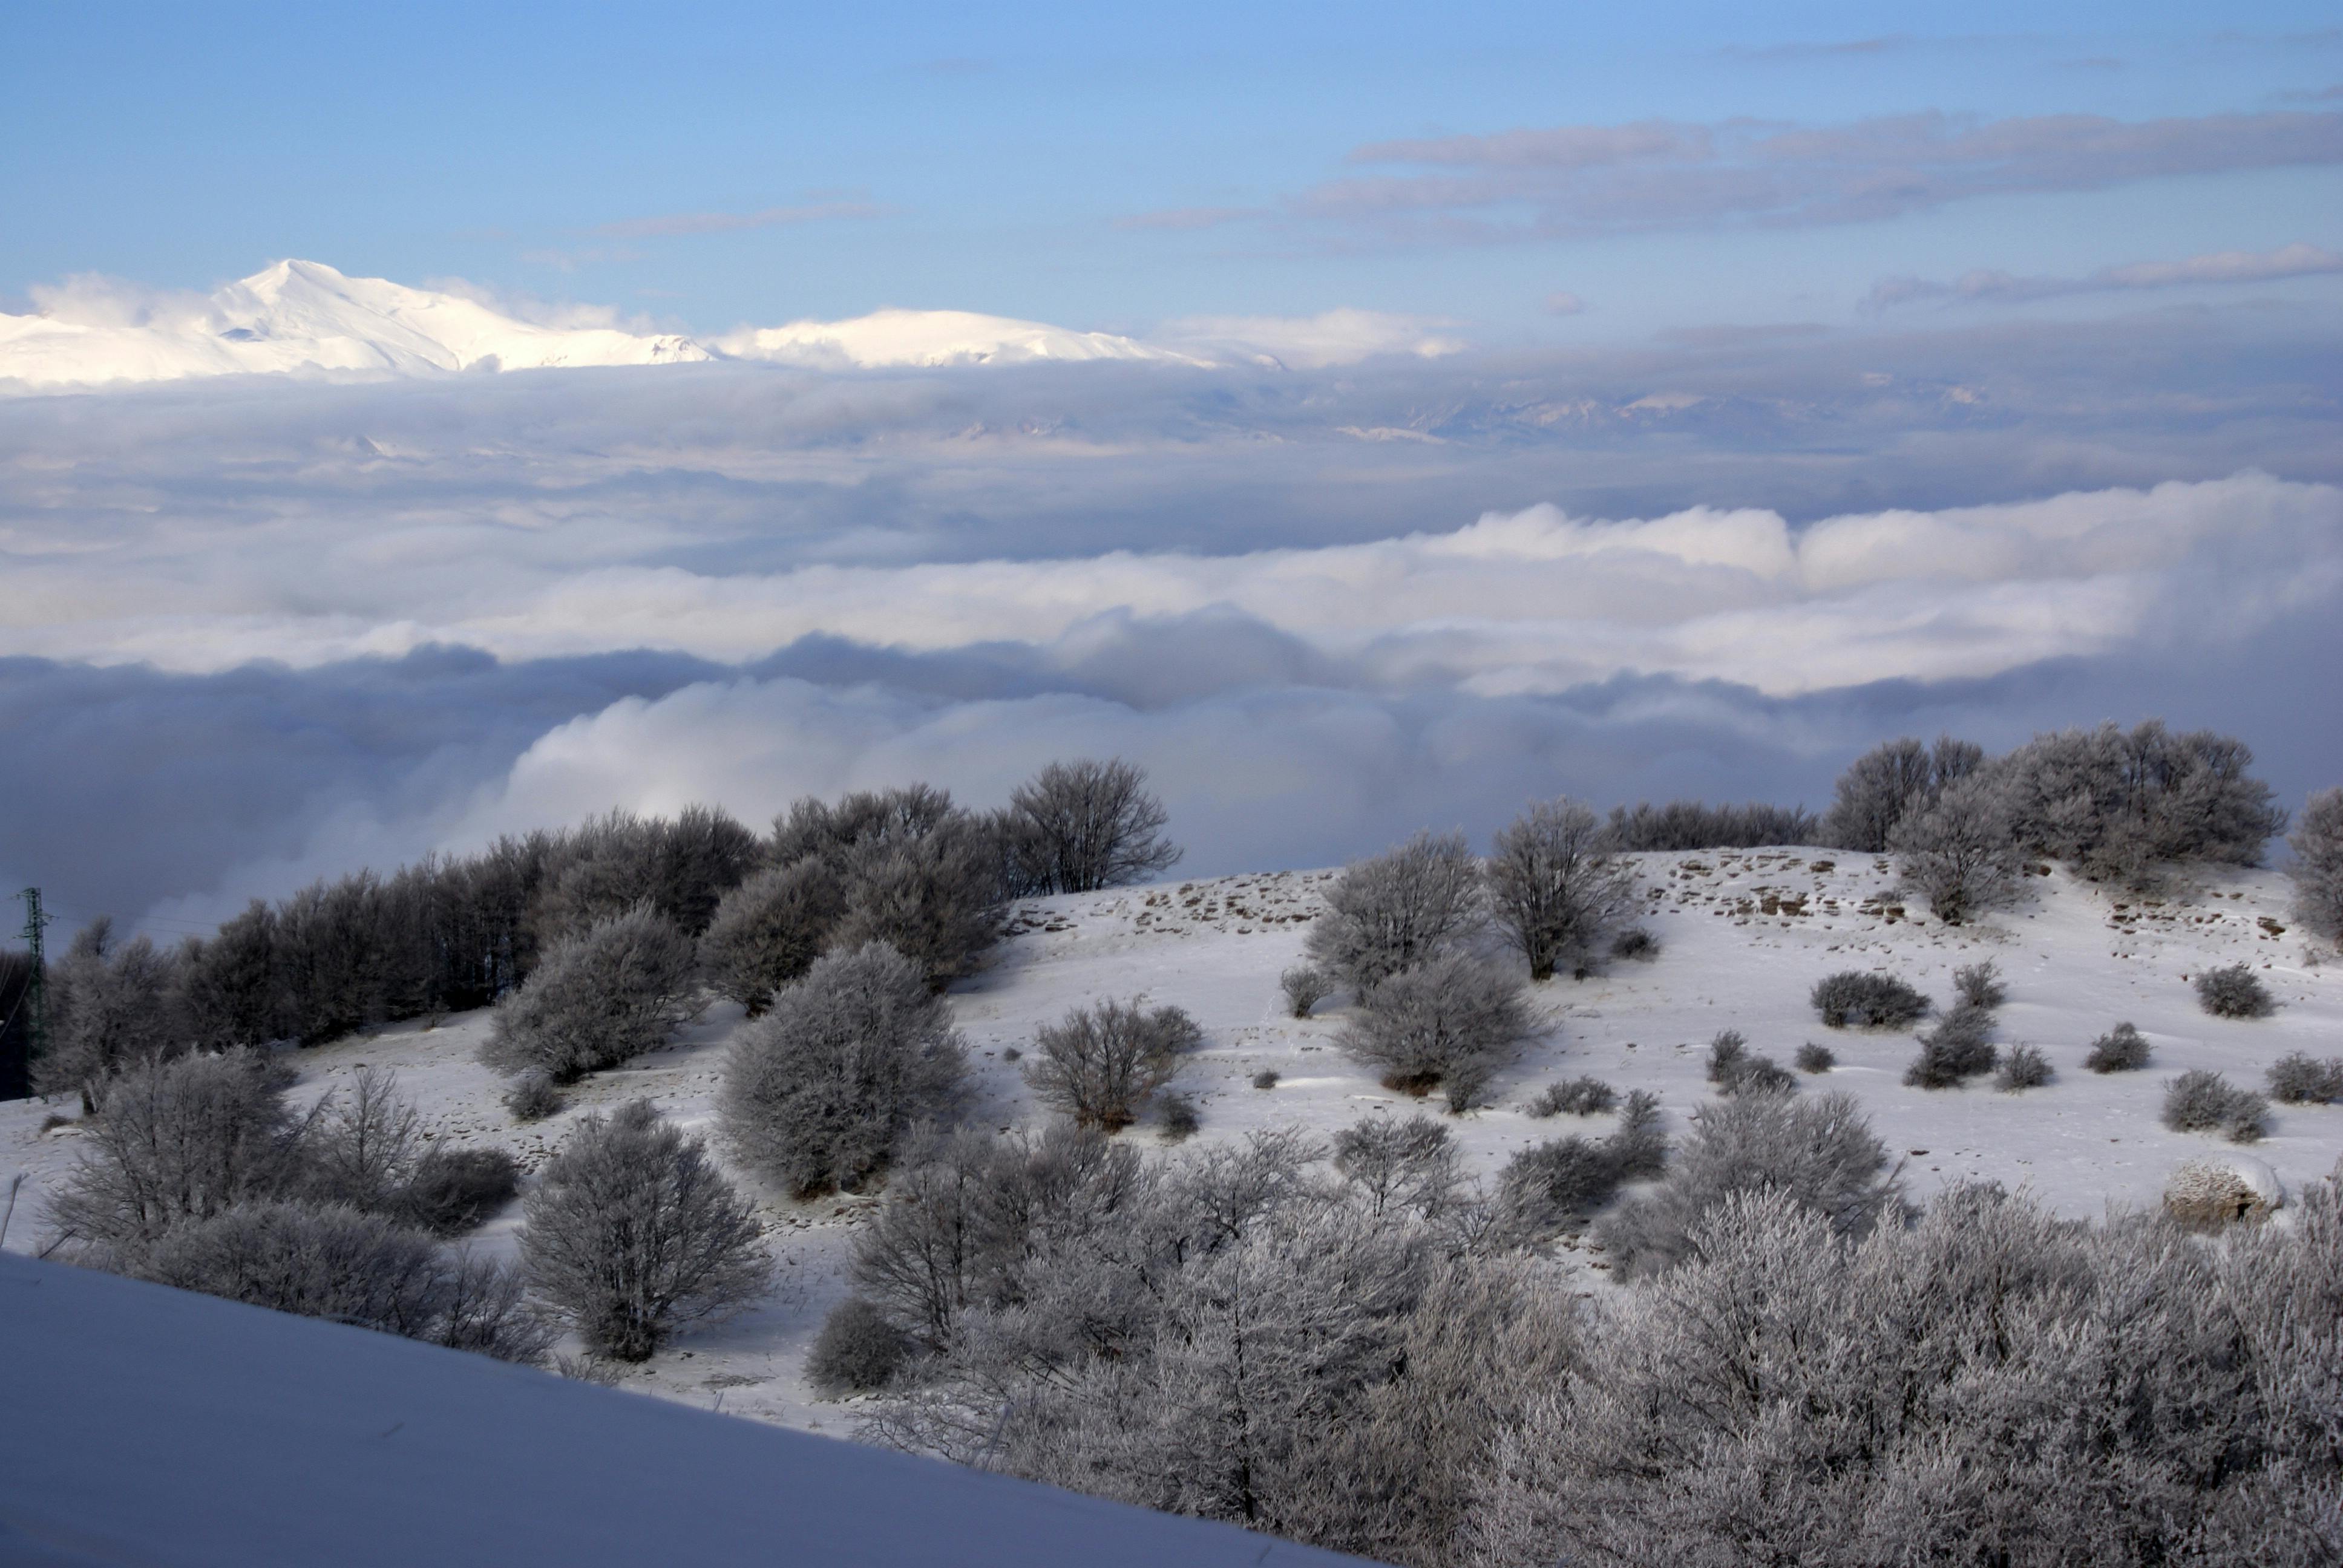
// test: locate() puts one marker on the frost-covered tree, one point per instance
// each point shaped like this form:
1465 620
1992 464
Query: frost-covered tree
631 1234
110 1005
1078 827
1400 1166
2119 803
614 990
912 870
1395 909
1957 852
769 930
177 1140
1443 1022
680 867
1101 1065
1887 782
818 1092
1555 887
2317 868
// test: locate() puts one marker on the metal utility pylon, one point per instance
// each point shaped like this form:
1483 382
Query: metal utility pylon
35 993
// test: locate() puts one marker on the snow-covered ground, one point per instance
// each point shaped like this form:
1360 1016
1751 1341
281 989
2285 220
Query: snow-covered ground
1743 935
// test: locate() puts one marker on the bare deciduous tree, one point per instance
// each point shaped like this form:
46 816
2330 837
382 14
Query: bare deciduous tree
1555 886
1398 908
1100 1065
1078 827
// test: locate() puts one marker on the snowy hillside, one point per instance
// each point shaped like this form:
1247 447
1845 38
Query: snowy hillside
1743 936
156 1427
305 316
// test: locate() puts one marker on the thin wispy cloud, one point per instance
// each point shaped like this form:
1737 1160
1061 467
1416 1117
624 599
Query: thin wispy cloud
687 222
2215 268
1569 181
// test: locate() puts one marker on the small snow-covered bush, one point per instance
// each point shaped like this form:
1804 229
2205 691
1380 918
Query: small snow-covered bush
2207 1195
615 990
2203 1099
2317 868
1395 1166
453 1189
1305 985
1638 944
1555 885
1637 1146
817 1093
1579 1097
1101 1065
2234 990
1734 1072
1554 1186
1980 985
631 1232
2122 1048
336 1261
2302 1079
1819 1152
1181 1117
1960 1047
533 1098
1853 999
857 1352
1812 1058
769 930
1267 1078
2022 1067
1397 910
1444 1020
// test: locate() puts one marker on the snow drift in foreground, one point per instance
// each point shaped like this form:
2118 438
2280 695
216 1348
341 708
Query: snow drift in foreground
156 1427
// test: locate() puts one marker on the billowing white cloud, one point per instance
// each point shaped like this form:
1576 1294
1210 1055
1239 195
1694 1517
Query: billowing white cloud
1342 336
933 338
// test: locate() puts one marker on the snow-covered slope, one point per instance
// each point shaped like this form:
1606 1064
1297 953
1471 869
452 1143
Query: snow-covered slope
147 1426
1743 936
305 316
935 337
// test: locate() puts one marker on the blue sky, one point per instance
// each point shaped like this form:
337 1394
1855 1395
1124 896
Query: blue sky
996 159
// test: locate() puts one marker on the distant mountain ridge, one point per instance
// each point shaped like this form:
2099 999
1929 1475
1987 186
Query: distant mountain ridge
305 317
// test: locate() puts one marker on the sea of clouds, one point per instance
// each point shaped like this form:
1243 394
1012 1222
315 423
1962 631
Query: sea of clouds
260 629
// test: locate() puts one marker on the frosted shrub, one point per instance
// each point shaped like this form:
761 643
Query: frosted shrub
1853 999
2318 867
177 1141
1181 1117
615 990
1400 1166
1078 827
631 1232
2203 1100
1305 985
1980 985
2122 1048
1637 1146
2022 1067
857 1352
769 930
1819 1152
1636 944
1735 1071
1961 1047
533 1098
1956 850
1812 1058
817 1093
1397 910
911 870
1101 1065
1554 1186
2300 1079
451 1190
1555 887
2234 990
1445 1019
109 1007
1267 1078
1579 1097
362 1144
336 1261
